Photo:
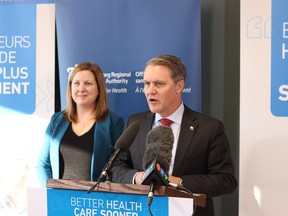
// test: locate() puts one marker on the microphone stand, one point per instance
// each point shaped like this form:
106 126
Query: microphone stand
179 187
150 196
107 168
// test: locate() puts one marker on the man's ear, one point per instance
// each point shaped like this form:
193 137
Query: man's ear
180 86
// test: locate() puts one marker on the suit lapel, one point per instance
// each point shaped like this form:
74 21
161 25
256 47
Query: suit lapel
146 126
188 128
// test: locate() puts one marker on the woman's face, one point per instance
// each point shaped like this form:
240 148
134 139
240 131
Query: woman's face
84 89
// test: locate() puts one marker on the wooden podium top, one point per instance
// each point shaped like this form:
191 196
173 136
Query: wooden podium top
199 199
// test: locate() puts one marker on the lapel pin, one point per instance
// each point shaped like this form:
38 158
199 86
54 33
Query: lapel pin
191 128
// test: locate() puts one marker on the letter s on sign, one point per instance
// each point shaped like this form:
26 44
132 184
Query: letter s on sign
283 90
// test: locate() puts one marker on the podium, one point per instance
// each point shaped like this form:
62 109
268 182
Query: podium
71 197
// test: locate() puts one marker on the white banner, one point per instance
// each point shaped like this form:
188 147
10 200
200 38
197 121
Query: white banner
27 50
263 162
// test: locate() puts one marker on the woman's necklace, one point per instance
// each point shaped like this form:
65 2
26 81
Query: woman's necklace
81 128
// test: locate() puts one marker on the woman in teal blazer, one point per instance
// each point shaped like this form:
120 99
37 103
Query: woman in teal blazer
79 141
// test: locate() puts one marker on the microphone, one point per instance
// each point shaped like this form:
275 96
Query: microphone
157 158
159 144
121 145
154 176
179 187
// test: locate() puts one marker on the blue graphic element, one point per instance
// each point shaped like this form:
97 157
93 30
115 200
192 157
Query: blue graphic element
121 36
18 58
279 58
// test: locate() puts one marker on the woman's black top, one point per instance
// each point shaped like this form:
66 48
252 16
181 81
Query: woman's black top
76 154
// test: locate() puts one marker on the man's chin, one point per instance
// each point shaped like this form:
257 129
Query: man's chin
153 109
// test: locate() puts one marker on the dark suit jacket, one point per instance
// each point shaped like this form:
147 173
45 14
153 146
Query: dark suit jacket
202 159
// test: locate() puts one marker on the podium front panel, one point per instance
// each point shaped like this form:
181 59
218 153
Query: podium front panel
80 203
63 202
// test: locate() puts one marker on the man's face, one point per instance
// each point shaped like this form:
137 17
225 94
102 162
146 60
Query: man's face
162 93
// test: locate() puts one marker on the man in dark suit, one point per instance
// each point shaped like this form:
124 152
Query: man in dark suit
201 158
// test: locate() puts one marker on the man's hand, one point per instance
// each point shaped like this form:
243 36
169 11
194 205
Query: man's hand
175 180
138 178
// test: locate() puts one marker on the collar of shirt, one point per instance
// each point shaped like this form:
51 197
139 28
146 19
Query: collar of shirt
176 116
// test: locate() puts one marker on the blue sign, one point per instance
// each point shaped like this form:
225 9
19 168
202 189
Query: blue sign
121 36
18 58
279 58
81 203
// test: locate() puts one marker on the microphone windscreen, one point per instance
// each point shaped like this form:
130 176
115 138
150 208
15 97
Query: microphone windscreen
127 137
159 144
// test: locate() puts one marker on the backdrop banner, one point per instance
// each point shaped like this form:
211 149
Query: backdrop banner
263 108
121 36
26 95
279 57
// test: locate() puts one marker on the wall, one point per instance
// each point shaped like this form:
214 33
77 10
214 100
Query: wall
263 108
220 78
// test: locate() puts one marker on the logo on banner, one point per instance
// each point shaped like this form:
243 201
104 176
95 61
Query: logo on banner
279 58
18 58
